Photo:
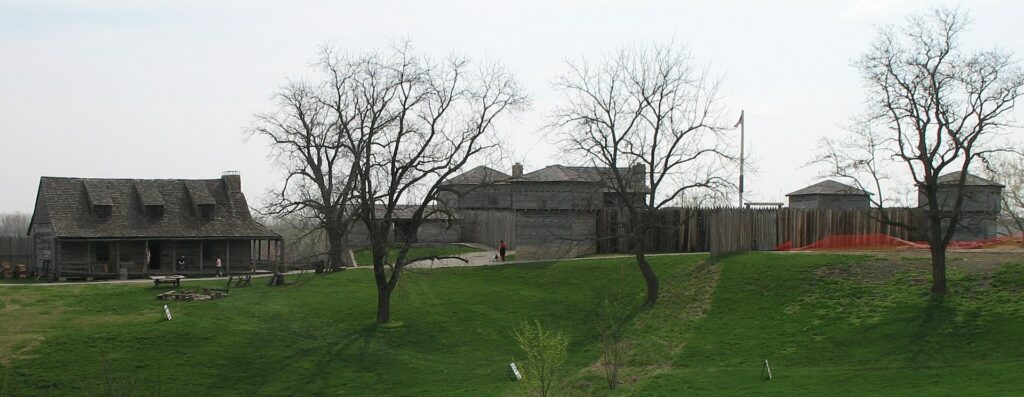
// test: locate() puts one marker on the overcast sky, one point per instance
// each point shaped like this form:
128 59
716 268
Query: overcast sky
118 89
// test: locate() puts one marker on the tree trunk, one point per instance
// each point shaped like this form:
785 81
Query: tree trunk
649 278
336 251
383 304
639 220
936 246
379 246
938 268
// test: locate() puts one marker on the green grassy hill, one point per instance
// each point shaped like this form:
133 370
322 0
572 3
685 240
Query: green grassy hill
828 324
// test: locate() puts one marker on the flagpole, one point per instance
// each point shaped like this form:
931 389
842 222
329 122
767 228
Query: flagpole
743 127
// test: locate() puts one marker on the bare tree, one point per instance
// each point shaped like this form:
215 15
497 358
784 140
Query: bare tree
412 122
859 158
304 237
939 108
14 223
649 115
306 137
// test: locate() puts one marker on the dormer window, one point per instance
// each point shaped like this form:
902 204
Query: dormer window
154 211
102 211
206 212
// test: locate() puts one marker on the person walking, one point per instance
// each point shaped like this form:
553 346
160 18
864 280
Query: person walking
181 264
220 269
501 249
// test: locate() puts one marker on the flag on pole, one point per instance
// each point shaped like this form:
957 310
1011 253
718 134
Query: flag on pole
740 120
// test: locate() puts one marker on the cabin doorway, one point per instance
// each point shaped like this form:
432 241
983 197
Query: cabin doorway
154 256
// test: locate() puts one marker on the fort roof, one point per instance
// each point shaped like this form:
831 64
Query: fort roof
830 187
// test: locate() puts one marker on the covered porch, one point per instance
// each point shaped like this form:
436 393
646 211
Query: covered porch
111 258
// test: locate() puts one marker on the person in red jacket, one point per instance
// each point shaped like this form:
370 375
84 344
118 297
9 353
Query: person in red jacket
501 249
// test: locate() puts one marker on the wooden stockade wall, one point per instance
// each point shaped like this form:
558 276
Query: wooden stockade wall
488 227
678 230
806 226
17 250
727 230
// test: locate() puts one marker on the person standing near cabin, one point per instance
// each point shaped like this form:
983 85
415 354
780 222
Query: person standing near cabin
181 264
220 271
501 249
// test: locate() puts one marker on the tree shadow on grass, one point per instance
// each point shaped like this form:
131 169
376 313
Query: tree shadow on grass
936 321
356 343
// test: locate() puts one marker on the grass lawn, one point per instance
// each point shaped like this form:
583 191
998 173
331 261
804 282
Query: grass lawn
364 257
829 325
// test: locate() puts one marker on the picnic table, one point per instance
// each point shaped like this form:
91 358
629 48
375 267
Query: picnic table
175 280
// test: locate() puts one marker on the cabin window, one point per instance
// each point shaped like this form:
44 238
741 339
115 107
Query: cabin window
102 251
154 211
101 211
206 212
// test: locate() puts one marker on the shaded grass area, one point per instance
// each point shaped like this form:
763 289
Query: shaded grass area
364 257
30 280
829 325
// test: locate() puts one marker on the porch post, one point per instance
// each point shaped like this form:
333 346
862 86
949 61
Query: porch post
201 256
117 255
57 262
174 256
227 255
88 256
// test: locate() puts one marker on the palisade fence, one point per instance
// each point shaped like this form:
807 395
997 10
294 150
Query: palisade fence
487 227
726 230
16 250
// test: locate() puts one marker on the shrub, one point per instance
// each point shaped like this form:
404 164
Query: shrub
545 352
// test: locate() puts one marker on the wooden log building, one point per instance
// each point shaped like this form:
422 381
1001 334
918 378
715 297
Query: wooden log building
85 227
548 213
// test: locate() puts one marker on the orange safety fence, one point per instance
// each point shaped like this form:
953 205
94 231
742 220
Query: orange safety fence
881 241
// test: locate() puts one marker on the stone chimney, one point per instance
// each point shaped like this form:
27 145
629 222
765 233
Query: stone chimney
232 180
637 175
517 170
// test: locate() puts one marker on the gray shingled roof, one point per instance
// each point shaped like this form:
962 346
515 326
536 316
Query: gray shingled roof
971 180
829 186
66 203
199 193
562 173
97 192
478 175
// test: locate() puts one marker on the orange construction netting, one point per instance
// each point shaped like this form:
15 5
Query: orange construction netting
880 241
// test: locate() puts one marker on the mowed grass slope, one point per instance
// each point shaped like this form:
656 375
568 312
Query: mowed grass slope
828 324
313 338
849 325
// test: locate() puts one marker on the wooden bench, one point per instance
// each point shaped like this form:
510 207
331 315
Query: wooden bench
174 280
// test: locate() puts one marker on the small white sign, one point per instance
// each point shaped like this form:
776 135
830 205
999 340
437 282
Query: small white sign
167 311
515 371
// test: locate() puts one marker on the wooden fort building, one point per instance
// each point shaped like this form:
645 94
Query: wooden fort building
85 227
